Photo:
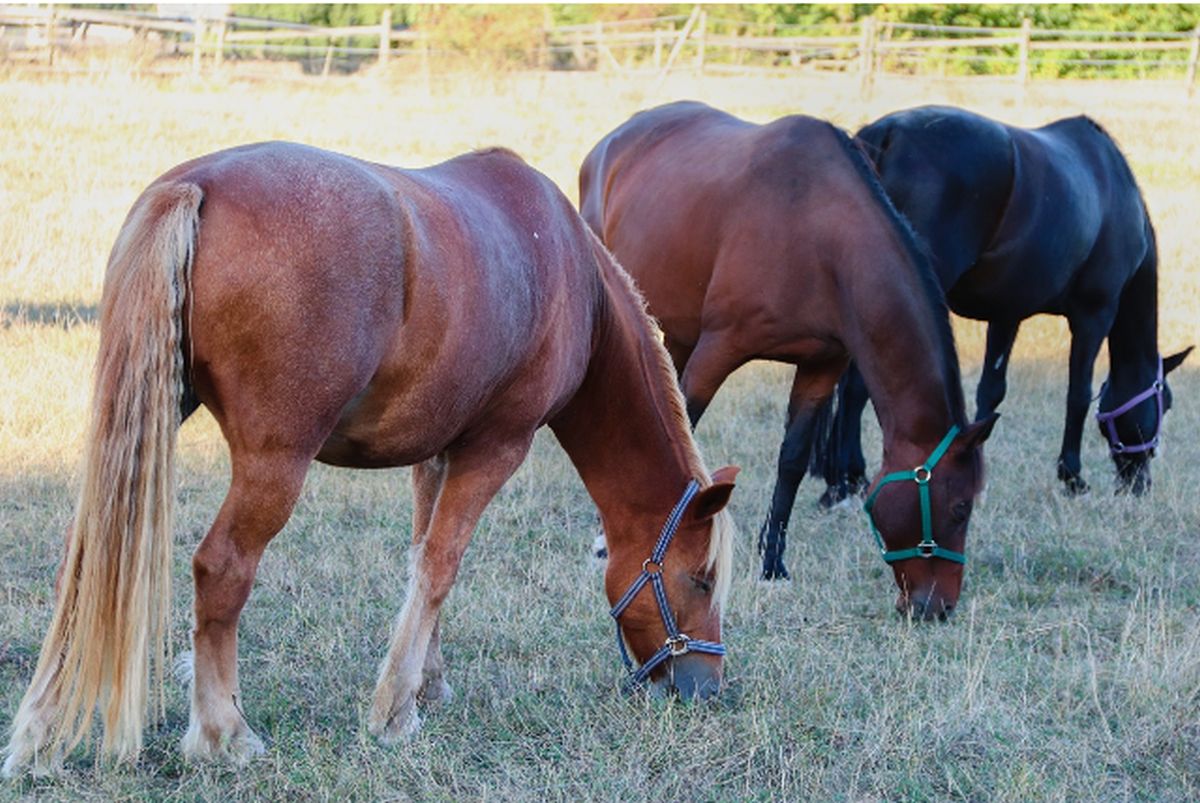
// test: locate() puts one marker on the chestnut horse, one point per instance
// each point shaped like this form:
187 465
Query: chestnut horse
327 308
1025 221
775 241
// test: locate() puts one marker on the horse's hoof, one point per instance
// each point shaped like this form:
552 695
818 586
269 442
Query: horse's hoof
396 722
775 571
238 748
834 496
1075 486
37 766
435 691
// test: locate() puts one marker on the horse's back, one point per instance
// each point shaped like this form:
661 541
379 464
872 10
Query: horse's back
950 173
723 222
387 310
1020 221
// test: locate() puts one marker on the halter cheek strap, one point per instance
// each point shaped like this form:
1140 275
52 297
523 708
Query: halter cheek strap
921 475
1108 420
652 569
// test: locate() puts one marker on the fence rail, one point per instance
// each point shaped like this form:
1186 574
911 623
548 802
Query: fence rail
695 41
869 47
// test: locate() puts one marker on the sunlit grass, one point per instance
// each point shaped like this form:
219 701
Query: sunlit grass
1071 672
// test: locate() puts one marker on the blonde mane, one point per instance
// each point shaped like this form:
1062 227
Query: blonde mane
661 373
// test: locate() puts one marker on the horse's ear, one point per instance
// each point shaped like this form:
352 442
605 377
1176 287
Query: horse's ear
975 434
1175 360
712 500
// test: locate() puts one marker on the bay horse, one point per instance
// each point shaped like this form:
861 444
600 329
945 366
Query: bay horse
775 242
1020 222
322 307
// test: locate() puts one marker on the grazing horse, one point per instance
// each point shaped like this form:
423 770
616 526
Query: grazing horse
323 307
775 242
1020 222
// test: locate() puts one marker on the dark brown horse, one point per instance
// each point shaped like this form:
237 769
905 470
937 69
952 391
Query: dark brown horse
326 308
775 241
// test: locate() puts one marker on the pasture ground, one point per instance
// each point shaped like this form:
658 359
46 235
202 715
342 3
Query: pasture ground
1071 671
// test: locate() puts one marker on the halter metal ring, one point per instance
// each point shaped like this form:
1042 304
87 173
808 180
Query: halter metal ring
922 475
678 644
925 550
648 562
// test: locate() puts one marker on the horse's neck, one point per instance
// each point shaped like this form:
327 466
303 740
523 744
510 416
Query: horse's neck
902 355
1133 338
630 444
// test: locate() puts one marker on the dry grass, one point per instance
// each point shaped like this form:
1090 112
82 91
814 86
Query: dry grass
1072 671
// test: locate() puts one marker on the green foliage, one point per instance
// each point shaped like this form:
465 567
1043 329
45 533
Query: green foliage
511 35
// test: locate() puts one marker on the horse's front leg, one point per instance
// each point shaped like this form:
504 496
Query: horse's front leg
810 390
1087 333
259 502
714 358
452 495
993 379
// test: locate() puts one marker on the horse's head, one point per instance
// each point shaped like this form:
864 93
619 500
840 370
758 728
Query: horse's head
667 600
1133 427
919 517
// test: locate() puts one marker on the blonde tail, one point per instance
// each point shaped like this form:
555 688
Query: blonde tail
113 608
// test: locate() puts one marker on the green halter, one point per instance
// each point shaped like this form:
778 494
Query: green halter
921 475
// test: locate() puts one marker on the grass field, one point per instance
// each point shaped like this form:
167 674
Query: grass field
1071 671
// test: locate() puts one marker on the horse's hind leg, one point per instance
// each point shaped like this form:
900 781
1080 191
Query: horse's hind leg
259 502
470 478
810 390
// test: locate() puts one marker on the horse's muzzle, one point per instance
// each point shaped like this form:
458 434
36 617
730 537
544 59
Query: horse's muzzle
927 607
691 676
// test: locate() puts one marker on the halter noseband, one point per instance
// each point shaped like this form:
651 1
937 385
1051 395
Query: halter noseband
1108 420
652 568
921 475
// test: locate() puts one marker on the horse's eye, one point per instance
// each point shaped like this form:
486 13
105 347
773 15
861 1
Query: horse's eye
961 511
701 583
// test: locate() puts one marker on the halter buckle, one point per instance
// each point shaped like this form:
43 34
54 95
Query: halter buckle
922 475
926 549
678 644
647 563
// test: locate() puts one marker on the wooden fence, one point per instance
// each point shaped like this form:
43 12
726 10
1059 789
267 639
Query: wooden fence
696 41
38 34
868 46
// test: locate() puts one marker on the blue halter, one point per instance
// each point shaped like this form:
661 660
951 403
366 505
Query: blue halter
652 568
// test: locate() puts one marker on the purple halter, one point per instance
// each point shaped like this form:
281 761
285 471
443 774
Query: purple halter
1108 420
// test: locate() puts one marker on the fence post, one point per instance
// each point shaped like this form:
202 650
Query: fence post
220 51
1023 67
866 55
423 53
197 38
51 34
701 28
385 36
328 59
657 49
1193 57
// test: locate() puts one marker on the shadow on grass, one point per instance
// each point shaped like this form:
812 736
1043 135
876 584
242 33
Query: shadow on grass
59 314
